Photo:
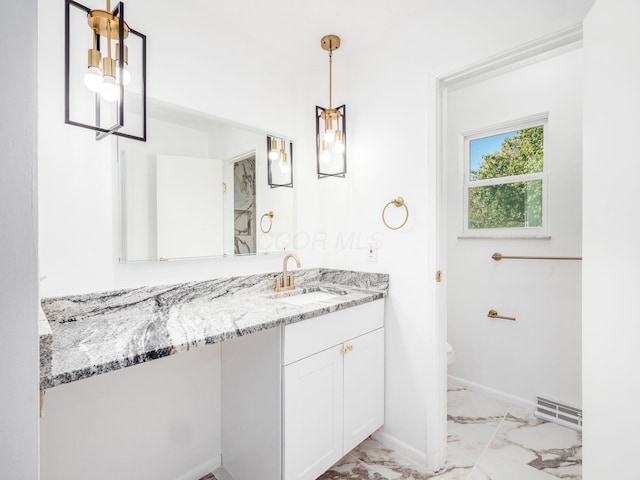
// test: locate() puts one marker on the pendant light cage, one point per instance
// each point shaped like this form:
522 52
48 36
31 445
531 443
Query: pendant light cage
331 156
331 134
105 72
279 162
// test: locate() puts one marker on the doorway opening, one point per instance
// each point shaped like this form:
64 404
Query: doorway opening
502 365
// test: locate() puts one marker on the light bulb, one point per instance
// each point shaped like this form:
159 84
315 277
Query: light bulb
109 90
284 160
125 75
325 156
93 79
274 155
338 147
284 167
329 135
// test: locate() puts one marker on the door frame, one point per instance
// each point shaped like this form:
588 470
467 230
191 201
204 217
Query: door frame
439 83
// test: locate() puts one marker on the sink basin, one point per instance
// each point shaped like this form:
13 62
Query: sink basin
309 297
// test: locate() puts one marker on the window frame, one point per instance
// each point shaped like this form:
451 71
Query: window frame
467 184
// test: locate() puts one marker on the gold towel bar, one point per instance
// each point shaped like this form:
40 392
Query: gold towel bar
398 202
494 314
498 256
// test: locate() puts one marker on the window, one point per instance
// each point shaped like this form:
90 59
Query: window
505 181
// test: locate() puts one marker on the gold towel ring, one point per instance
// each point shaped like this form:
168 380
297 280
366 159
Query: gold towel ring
270 215
398 202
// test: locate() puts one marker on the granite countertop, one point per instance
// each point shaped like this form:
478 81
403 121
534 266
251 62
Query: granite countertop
97 333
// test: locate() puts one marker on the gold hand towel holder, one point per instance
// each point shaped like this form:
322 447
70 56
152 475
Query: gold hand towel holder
398 202
269 215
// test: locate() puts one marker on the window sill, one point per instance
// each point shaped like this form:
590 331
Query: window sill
503 237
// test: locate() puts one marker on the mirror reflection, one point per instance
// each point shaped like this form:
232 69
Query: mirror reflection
198 188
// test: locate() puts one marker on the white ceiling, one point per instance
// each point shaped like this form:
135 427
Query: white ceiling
295 27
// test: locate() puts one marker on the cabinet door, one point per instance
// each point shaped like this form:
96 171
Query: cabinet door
313 414
363 387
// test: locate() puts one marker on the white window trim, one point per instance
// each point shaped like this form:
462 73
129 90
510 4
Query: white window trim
467 184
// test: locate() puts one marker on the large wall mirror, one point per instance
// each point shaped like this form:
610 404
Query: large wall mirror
198 188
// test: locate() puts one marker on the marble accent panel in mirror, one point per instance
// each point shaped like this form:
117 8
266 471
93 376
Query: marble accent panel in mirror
197 188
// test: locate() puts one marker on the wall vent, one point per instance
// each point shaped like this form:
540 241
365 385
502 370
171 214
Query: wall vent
559 413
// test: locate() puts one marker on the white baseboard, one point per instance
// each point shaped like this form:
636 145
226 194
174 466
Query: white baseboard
492 392
203 469
222 474
400 447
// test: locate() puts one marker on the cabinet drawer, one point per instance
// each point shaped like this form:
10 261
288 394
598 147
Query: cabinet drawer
316 334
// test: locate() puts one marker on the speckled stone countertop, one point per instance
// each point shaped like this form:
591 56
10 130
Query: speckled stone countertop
100 332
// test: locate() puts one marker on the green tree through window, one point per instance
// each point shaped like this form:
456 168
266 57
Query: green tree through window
515 204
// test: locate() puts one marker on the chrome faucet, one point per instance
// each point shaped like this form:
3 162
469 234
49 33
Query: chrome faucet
285 282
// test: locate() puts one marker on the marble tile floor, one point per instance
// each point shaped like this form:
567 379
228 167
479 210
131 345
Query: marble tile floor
487 440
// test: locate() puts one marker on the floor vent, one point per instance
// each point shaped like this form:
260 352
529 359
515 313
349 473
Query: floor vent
558 413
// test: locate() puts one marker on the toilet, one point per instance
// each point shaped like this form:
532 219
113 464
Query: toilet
451 355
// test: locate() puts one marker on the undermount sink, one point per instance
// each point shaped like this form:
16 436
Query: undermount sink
306 298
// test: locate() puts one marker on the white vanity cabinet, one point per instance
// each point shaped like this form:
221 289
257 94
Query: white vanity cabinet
333 387
296 398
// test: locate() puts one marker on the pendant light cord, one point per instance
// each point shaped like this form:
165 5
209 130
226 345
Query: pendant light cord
330 79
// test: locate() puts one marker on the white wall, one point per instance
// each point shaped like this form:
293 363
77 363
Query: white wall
610 246
18 243
156 420
539 352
